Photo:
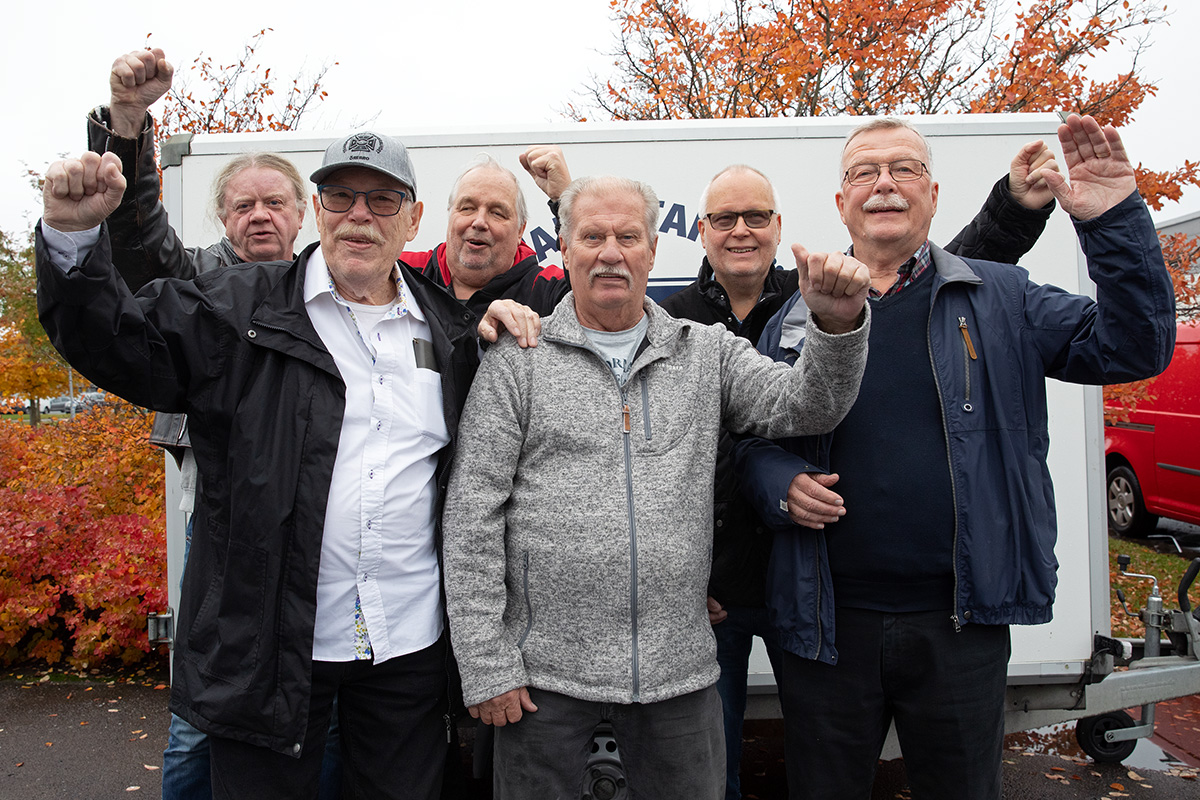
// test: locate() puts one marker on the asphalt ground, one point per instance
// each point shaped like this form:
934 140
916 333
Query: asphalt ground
104 739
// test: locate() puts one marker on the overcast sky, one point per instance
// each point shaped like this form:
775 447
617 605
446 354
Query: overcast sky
450 64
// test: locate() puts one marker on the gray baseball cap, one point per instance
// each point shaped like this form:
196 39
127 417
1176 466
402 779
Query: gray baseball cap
384 154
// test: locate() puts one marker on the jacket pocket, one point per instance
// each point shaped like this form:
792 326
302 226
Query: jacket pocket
968 355
528 600
225 635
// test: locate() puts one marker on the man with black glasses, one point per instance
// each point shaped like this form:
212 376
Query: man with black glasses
323 396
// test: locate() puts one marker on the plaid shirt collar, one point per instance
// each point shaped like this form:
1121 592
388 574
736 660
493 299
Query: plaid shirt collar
908 272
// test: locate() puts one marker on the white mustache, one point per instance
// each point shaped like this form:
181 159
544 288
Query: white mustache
352 231
606 272
885 202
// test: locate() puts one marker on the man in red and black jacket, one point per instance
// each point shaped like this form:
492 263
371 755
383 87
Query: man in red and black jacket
483 258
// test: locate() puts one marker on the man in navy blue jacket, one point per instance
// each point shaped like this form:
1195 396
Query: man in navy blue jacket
944 508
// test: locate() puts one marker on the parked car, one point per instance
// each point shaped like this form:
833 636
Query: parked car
1153 458
63 404
89 399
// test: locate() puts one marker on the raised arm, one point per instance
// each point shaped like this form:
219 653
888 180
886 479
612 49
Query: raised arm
130 346
144 245
1015 211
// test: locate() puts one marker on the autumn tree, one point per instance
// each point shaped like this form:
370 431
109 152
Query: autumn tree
83 559
238 97
761 58
29 366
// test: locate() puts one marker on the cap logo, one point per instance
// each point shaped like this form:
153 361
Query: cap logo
363 143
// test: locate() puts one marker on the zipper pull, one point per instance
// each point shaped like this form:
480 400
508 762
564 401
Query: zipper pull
625 415
957 626
962 326
446 718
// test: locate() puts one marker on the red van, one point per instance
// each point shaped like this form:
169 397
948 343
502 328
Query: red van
1153 459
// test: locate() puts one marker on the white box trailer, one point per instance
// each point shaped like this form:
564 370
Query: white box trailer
1051 664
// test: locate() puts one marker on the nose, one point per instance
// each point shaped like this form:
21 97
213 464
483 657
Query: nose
885 182
479 219
259 212
359 209
611 252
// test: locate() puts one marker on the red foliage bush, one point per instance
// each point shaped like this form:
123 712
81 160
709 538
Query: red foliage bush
82 538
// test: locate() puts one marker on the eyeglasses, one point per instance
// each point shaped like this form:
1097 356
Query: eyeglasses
727 220
381 202
902 171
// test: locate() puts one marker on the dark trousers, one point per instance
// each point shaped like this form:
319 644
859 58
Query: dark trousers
394 727
669 749
944 690
735 638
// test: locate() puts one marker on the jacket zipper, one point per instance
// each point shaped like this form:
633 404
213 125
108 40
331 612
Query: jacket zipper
968 356
528 602
645 406
954 616
820 628
633 582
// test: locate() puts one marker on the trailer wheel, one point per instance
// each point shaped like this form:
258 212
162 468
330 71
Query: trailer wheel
1127 514
1089 732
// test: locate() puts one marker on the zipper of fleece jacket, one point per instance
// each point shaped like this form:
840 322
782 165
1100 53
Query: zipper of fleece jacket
633 611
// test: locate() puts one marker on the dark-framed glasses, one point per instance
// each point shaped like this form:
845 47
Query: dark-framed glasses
381 202
727 220
902 171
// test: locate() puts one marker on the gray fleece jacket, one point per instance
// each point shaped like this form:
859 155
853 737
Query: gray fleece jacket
578 523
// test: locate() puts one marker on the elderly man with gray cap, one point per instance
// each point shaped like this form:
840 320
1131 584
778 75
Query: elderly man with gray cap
323 397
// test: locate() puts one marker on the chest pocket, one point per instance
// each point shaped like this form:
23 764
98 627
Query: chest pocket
428 408
660 413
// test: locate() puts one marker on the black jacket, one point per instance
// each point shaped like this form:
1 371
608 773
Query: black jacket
1003 231
236 351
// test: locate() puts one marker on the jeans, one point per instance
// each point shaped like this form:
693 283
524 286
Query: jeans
944 690
185 763
735 636
670 750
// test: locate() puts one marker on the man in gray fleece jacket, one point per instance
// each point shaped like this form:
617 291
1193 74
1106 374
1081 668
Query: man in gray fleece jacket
578 523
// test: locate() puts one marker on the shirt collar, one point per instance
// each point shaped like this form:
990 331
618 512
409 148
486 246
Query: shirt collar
318 282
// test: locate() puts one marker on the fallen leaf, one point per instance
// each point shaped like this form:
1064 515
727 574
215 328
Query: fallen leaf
1133 776
112 710
1120 787
151 767
49 744
139 730
20 763
161 686
84 722
132 788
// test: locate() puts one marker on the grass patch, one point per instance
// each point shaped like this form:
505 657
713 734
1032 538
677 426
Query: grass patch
1167 567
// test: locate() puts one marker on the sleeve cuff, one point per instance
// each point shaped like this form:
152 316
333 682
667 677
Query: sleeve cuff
69 248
